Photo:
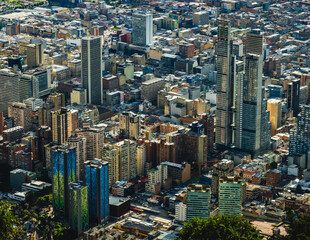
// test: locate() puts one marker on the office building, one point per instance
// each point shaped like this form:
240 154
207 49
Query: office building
141 159
79 143
224 85
57 100
91 75
300 136
230 195
33 103
35 56
142 29
186 50
78 96
200 18
222 169
129 125
180 173
20 176
293 95
198 201
97 180
20 114
9 89
150 88
64 122
94 141
28 87
274 106
78 210
64 173
256 129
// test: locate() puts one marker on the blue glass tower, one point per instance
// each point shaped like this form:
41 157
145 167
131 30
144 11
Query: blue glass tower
64 172
97 180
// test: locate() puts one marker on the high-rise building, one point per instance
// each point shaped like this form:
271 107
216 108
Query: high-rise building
129 125
94 141
141 159
142 29
230 195
127 151
65 3
274 107
256 128
79 96
300 136
293 94
222 169
157 179
34 103
200 18
9 89
79 143
28 87
198 201
91 48
224 85
180 212
64 172
57 100
20 114
97 180
35 56
64 121
111 155
78 207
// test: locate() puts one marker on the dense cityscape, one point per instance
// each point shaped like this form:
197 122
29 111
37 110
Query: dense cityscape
138 119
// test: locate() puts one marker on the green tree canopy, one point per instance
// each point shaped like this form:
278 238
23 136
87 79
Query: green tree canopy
273 165
298 227
8 222
219 227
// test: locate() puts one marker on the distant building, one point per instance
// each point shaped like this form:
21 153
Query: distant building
142 29
20 114
157 178
200 18
150 88
20 176
273 177
181 212
274 106
180 173
129 125
293 95
35 56
79 96
198 201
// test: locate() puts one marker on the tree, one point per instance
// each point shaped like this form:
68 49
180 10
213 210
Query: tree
219 227
299 189
273 165
8 222
298 227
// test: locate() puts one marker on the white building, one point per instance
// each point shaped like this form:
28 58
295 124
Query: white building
180 211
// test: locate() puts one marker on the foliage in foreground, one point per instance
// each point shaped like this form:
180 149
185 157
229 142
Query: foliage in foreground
219 227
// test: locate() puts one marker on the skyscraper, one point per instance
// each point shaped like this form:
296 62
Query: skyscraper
29 87
230 194
255 117
274 106
64 172
198 201
64 121
91 73
97 180
35 56
129 125
293 92
111 155
224 85
78 208
142 29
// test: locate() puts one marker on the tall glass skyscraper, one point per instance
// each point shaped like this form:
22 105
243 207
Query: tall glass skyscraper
64 171
91 73
142 29
97 180
224 85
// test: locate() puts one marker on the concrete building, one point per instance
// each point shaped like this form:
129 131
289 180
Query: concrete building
150 88
78 96
111 155
180 173
78 208
222 169
35 56
141 159
230 195
129 125
157 178
274 106
91 55
142 29
273 177
293 95
13 134
20 114
180 212
186 50
20 176
64 122
198 201
28 87
33 103
9 89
